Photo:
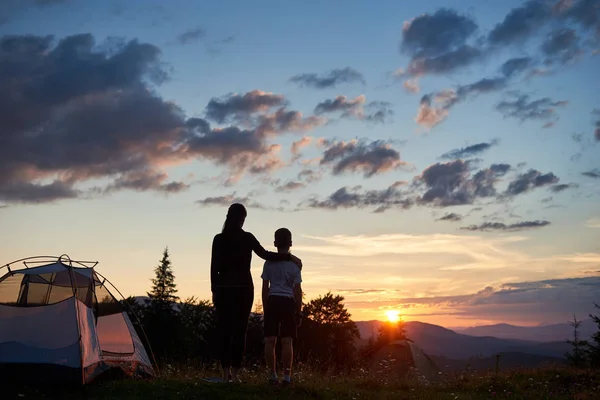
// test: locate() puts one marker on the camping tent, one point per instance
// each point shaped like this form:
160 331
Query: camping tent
405 359
59 322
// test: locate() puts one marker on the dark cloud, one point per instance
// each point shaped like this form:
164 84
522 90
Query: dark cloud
283 120
585 13
341 104
25 192
227 200
431 34
543 109
447 184
147 180
369 158
515 66
450 217
499 226
530 180
329 80
309 175
346 197
376 111
561 46
451 183
290 186
76 111
597 131
235 107
437 43
520 23
90 110
469 151
562 187
593 173
444 63
191 36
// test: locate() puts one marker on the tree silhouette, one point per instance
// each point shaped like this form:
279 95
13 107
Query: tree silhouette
328 332
577 356
594 344
163 285
162 323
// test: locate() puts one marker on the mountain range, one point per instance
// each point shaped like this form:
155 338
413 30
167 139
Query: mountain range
446 343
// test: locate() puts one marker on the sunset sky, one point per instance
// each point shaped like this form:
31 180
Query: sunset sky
436 158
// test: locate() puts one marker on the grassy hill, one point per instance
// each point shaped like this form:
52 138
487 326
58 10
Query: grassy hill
561 383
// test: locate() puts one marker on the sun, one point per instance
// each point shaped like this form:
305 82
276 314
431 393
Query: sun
393 315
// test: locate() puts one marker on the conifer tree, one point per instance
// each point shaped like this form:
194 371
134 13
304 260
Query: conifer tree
577 356
594 344
164 289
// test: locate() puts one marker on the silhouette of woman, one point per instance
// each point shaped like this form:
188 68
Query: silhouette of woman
232 286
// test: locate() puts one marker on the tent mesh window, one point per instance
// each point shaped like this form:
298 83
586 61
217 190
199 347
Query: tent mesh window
48 288
10 287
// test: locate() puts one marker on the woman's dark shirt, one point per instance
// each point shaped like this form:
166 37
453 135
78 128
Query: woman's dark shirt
231 258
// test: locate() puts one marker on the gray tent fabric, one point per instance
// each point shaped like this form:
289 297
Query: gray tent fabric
52 321
407 360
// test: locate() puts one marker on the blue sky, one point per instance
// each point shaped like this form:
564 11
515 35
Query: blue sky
104 162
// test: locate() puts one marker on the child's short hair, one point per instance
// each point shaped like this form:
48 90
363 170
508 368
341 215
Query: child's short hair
283 237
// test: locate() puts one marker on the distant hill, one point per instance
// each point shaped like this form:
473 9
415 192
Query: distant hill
542 333
439 341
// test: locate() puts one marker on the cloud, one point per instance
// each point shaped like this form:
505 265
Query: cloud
562 187
469 151
498 226
593 173
450 217
561 46
543 109
444 63
515 66
191 36
147 180
520 302
341 103
411 86
331 79
290 186
227 200
585 13
283 120
369 158
90 110
309 175
298 145
355 108
346 197
236 107
431 115
520 24
530 180
593 223
96 115
451 183
428 115
437 43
